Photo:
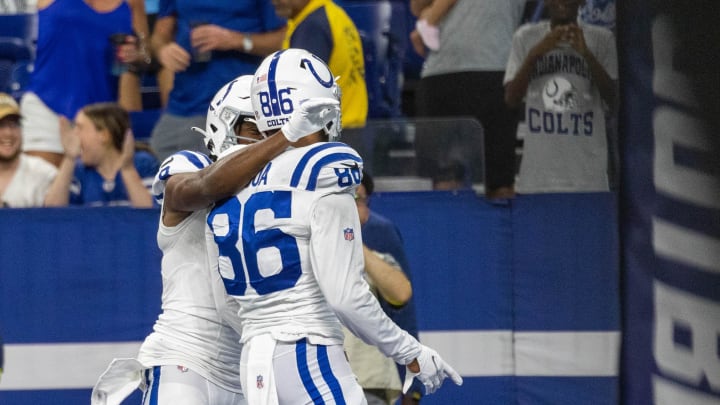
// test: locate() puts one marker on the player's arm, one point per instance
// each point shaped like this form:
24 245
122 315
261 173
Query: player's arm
226 177
336 255
337 261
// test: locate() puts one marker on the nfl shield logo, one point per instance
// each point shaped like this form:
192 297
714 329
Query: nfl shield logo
349 234
259 382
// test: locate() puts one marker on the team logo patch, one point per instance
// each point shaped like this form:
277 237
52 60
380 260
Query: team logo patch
259 382
182 369
349 234
261 78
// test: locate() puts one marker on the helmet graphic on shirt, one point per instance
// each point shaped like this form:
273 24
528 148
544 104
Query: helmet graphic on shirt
286 78
559 95
230 106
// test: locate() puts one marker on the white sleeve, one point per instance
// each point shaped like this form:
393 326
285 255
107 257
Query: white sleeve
337 260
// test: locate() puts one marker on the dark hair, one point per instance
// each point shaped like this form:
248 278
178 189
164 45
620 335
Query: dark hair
368 182
109 116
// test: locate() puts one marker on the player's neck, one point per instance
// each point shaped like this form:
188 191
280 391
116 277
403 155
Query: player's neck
309 140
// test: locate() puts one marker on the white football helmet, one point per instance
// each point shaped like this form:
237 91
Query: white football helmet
283 80
229 107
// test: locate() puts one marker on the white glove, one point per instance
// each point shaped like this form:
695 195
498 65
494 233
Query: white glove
430 34
433 370
312 115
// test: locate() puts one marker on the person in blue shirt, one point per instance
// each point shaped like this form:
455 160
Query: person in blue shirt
382 237
73 66
205 45
101 166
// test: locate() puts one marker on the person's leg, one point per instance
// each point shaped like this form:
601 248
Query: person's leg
480 95
499 134
305 372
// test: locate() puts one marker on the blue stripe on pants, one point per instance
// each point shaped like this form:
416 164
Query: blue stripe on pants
302 365
328 375
153 387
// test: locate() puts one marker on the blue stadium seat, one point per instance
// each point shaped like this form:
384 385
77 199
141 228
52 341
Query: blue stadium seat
20 77
17 36
383 31
18 33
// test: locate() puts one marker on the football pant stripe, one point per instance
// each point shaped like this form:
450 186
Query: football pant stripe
328 375
302 366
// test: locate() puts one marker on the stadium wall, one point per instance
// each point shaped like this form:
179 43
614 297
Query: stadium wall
522 298
670 201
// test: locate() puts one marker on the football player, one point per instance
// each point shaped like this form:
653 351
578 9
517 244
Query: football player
192 356
289 250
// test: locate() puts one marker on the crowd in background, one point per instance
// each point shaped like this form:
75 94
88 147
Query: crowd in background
104 51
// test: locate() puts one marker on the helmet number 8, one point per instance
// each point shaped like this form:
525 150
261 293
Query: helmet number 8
281 105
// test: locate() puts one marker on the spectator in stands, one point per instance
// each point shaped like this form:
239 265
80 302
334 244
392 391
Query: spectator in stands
323 28
110 171
467 44
73 67
565 73
206 44
387 272
24 180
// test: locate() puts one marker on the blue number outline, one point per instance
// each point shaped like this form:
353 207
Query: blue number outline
280 203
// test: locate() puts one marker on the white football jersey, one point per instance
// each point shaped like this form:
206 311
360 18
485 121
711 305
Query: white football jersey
190 331
290 253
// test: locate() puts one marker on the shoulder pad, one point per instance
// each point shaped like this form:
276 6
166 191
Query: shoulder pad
181 162
333 166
